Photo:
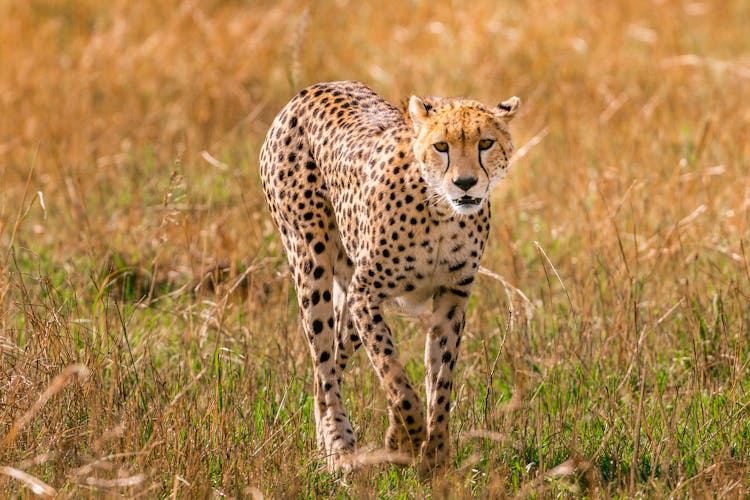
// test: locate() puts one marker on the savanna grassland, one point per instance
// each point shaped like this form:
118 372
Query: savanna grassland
149 341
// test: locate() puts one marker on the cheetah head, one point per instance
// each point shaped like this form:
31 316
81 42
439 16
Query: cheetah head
463 148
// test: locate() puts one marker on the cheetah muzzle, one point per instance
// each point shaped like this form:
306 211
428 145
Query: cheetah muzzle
375 204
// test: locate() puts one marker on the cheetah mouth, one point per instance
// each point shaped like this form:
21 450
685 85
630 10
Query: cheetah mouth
467 201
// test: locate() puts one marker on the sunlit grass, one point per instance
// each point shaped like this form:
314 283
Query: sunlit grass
149 341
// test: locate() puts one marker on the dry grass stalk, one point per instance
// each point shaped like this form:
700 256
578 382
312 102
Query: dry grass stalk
37 486
57 384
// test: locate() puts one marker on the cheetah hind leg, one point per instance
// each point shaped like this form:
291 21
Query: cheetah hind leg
347 339
313 275
335 436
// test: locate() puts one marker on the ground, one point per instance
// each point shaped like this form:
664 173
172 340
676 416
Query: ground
134 242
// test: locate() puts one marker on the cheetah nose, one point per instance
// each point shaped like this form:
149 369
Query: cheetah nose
465 183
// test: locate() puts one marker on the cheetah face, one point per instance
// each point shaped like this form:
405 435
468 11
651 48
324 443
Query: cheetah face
463 148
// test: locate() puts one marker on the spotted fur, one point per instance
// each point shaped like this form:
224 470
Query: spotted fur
375 203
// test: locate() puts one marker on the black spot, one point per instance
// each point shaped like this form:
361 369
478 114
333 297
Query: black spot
318 272
317 326
319 247
457 266
315 297
324 356
446 357
406 405
451 312
327 296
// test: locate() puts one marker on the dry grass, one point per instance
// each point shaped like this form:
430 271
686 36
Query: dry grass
148 335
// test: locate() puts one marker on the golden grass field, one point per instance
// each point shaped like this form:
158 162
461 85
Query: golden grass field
149 341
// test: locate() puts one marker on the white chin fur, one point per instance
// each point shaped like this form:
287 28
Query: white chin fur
466 209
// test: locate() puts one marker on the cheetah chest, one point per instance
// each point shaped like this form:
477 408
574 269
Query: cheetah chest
449 260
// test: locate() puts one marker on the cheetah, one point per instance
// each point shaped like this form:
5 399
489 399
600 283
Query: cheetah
376 203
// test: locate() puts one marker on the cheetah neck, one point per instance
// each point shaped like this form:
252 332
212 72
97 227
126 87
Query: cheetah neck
439 210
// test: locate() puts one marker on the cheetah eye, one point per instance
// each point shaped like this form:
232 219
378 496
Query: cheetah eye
485 144
441 147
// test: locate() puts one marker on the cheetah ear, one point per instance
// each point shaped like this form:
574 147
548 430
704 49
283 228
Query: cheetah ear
509 107
419 111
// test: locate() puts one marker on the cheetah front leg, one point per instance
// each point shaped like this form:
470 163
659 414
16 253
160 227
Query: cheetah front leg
441 351
406 430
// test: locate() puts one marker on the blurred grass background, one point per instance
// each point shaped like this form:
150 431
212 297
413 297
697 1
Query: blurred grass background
148 332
